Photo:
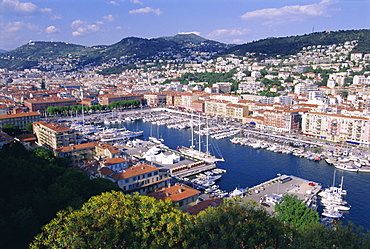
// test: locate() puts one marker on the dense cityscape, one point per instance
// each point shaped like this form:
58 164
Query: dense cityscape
312 104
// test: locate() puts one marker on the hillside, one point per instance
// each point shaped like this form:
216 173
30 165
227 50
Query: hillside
64 56
293 44
61 56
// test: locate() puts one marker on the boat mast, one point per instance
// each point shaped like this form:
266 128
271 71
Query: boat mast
199 135
334 179
82 105
192 132
207 136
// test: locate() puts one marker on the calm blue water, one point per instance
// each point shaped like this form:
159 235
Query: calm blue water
247 167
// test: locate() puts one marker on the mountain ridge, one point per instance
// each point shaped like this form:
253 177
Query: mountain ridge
180 48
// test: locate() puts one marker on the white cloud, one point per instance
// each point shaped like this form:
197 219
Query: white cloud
82 28
11 33
52 30
113 3
46 10
145 11
109 18
290 12
222 33
56 17
17 7
136 1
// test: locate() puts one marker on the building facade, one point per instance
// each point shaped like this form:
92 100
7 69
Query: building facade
42 104
20 119
336 127
53 135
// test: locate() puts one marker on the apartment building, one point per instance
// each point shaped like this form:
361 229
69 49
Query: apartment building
20 119
142 178
53 135
41 104
182 194
215 107
155 99
336 127
282 121
80 153
106 99
237 112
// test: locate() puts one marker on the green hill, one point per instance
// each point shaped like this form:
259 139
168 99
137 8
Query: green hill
125 52
54 56
293 44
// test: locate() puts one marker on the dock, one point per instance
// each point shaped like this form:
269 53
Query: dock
186 166
265 192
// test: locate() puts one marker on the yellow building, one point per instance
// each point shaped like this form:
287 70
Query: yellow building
53 135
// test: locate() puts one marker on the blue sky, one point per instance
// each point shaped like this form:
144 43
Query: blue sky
104 22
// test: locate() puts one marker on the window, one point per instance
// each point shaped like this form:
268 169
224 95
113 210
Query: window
150 174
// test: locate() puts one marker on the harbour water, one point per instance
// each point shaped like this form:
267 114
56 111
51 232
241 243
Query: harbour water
247 167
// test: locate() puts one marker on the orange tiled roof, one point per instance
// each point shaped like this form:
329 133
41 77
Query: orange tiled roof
23 114
54 126
174 193
134 171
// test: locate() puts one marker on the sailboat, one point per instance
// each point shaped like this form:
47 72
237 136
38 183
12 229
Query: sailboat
198 154
332 197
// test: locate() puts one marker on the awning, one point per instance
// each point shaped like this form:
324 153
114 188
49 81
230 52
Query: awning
252 123
351 142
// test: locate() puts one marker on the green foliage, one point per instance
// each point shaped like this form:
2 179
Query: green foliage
11 129
116 220
317 236
293 44
28 128
209 77
239 226
294 212
267 93
35 186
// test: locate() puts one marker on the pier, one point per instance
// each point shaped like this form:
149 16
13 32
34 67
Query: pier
262 193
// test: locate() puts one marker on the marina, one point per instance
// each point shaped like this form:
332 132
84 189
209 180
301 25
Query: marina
247 167
250 165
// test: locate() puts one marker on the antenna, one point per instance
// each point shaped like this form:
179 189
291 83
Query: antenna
313 29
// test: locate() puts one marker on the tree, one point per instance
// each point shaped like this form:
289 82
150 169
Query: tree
236 225
51 110
29 128
292 211
11 129
116 220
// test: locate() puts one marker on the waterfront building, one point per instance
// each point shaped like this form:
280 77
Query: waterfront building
106 99
237 112
20 119
216 107
197 105
155 99
336 127
182 194
282 121
81 153
53 135
142 178
41 104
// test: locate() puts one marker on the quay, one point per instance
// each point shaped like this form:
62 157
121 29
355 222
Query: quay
271 191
